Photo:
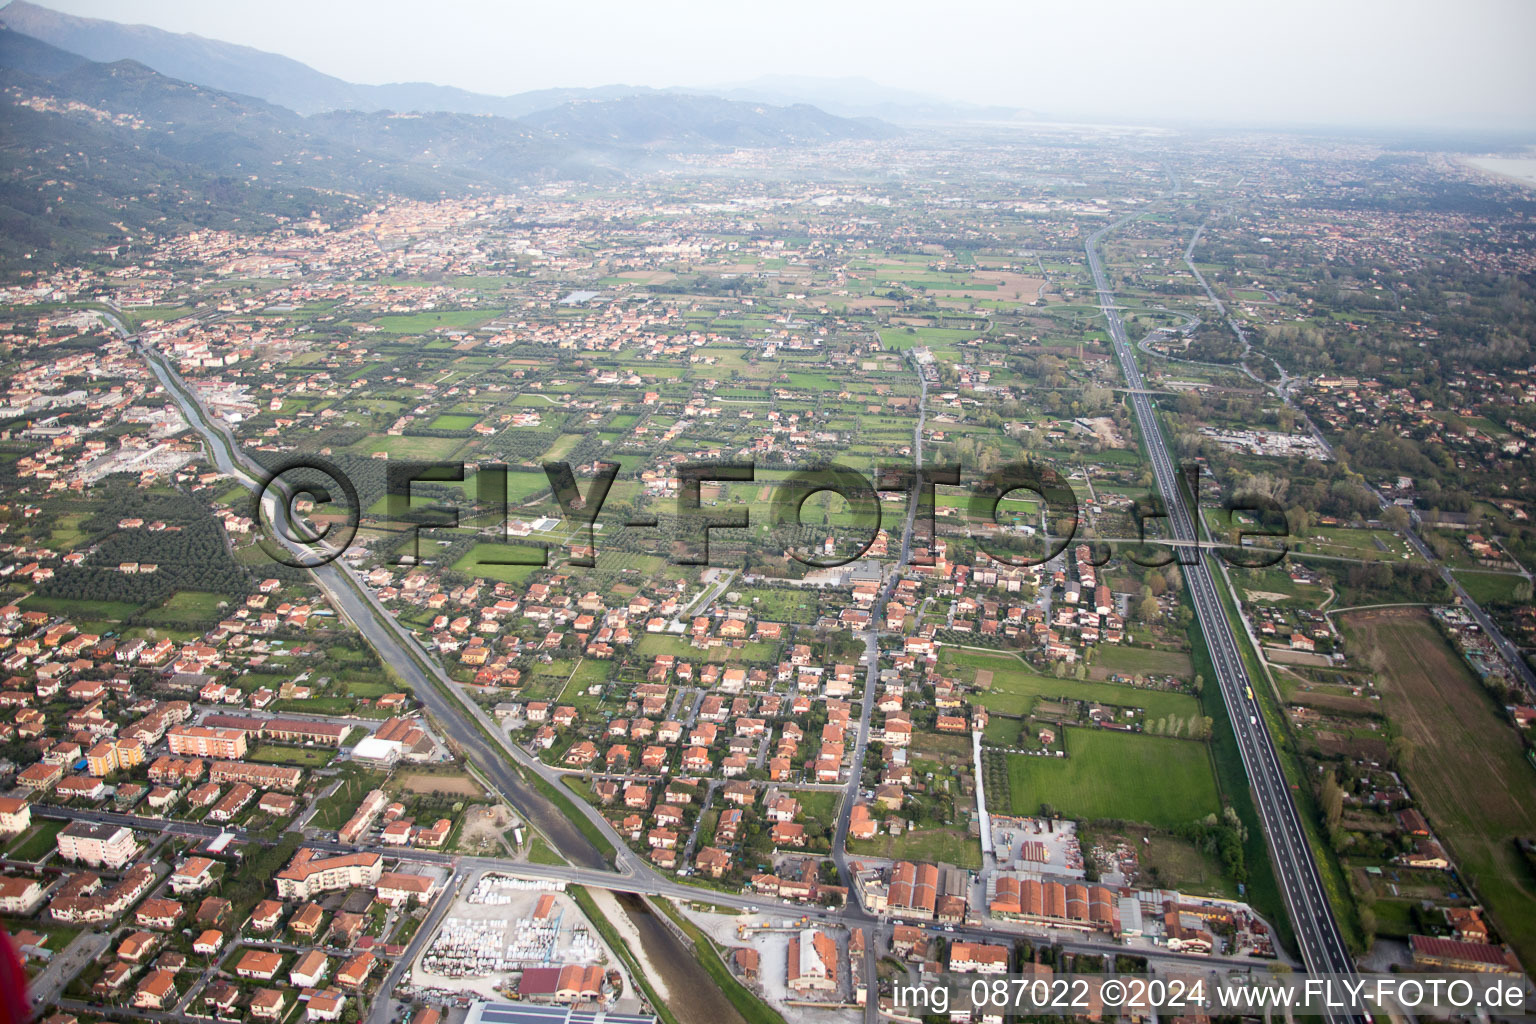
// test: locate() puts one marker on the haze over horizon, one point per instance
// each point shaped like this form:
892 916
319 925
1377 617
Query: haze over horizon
1409 65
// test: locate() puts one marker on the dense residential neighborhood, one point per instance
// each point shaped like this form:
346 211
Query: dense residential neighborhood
735 582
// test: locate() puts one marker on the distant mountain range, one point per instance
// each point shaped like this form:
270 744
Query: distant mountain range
860 97
302 89
96 152
244 70
110 132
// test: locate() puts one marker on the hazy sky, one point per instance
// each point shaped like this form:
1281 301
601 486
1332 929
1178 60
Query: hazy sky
1453 63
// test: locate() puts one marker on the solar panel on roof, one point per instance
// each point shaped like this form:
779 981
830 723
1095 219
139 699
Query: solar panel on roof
525 1013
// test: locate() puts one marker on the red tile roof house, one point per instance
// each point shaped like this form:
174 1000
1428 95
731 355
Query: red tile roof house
159 913
310 969
713 861
259 964
860 824
268 1004
266 915
394 887
788 833
156 991
222 996
355 971
328 1004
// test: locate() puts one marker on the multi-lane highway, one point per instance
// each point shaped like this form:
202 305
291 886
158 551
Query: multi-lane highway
1285 391
483 742
494 755
1317 933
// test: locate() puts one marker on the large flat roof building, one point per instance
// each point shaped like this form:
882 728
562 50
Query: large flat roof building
526 1013
99 845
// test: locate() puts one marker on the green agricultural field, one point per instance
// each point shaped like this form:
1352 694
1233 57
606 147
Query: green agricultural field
478 561
1491 587
453 421
186 608
421 323
1114 775
521 485
1015 687
655 643
1469 772
80 610
1351 543
66 534
932 337
421 449
1141 661
562 447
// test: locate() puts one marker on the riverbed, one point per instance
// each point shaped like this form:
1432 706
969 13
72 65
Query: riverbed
669 965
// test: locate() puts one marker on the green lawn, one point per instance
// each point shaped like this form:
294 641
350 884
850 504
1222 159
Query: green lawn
303 757
540 852
817 805
143 314
35 844
1112 775
936 845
